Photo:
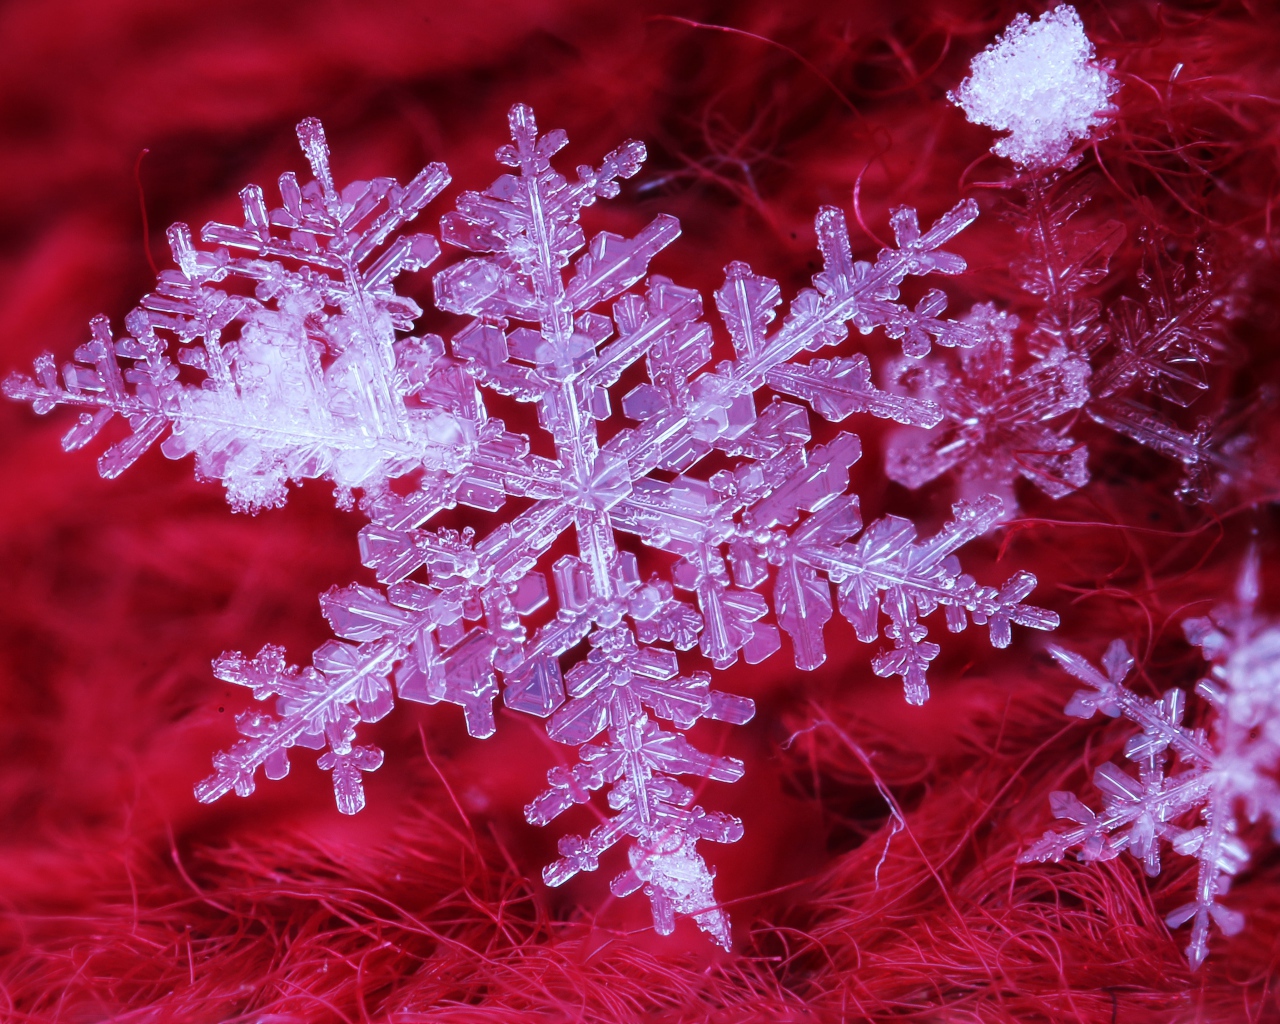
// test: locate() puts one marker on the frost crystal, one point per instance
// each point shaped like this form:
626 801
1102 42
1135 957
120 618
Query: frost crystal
317 376
1224 771
997 418
1006 402
1040 83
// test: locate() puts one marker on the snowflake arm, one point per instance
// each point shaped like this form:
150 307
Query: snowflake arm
101 387
1201 460
315 711
886 568
640 761
304 379
835 388
1164 346
1163 343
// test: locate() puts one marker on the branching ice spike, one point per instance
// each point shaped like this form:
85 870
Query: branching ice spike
1223 772
311 379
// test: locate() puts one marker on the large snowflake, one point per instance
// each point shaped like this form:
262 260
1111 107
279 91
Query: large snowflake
1224 770
701 476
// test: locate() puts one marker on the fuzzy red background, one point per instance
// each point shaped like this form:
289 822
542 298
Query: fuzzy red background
121 898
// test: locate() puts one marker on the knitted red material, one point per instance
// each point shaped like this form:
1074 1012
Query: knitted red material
877 879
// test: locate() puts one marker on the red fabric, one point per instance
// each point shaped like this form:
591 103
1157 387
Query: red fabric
121 898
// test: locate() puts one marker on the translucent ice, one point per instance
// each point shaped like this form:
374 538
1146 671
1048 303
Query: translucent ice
318 375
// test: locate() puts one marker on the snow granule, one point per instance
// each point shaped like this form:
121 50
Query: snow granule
1040 83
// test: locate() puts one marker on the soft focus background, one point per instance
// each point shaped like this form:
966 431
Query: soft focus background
121 898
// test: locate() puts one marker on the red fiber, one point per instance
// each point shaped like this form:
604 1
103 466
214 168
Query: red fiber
878 878
142 209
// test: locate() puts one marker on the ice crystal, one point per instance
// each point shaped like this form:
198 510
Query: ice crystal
1040 83
998 418
1007 403
1223 771
317 375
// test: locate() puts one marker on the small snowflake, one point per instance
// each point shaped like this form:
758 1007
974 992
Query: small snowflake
998 418
1223 771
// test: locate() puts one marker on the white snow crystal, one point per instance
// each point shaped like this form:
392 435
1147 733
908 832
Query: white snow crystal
1040 83
1225 772
318 375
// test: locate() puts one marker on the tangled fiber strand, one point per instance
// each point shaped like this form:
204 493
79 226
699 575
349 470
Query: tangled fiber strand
429 925
878 878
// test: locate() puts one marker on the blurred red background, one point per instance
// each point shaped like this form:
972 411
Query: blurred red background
122 898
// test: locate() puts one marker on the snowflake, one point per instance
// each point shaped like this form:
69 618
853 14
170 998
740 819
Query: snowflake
317 376
1040 83
1007 405
997 418
1225 770
1006 402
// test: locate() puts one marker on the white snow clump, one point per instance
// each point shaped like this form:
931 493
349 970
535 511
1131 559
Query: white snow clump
1040 83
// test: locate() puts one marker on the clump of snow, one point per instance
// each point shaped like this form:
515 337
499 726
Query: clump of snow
1040 83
